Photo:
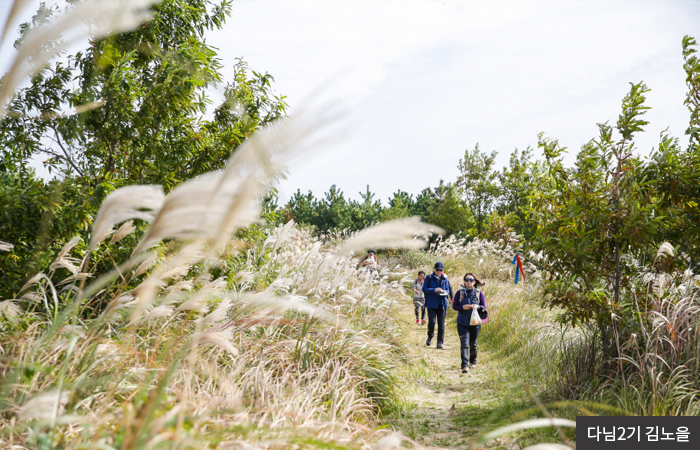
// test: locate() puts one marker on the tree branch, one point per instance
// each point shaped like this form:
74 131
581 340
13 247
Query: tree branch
66 154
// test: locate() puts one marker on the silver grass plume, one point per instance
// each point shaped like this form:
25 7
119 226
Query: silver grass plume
44 406
220 338
116 304
409 232
665 249
217 315
123 231
198 300
130 202
392 441
145 265
103 16
6 246
63 260
9 308
157 312
41 294
279 304
174 268
528 424
185 210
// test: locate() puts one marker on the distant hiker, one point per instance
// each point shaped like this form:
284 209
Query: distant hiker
370 261
468 299
419 298
437 291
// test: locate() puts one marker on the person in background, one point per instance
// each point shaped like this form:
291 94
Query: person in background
467 299
370 261
437 290
419 298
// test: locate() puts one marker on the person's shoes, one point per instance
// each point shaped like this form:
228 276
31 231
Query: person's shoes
439 345
472 365
428 341
422 322
417 322
465 370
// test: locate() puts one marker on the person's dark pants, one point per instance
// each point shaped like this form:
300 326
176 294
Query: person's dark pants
421 309
439 314
468 336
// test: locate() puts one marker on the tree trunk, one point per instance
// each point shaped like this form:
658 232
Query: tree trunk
618 275
605 341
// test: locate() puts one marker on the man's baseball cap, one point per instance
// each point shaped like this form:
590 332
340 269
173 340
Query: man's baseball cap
439 265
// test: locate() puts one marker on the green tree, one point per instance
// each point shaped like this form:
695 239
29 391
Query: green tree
366 212
144 99
141 100
674 172
451 212
400 205
477 183
334 212
302 208
425 204
590 215
518 181
36 217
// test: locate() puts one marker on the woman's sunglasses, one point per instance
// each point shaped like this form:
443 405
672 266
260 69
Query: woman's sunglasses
469 280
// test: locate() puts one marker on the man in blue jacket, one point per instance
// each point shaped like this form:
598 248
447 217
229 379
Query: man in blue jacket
437 291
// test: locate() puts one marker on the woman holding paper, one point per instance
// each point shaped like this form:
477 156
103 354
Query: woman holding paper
471 313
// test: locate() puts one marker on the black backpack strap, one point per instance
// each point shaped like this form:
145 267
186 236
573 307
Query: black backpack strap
435 279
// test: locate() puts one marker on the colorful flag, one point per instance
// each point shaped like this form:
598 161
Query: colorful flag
518 268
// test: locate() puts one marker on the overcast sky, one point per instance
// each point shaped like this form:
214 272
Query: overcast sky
424 81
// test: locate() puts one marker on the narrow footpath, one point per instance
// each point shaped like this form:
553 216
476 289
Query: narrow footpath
445 408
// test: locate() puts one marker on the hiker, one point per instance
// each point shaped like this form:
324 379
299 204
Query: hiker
468 298
419 298
437 290
370 261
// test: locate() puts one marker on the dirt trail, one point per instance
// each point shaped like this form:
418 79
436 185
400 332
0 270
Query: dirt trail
442 395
